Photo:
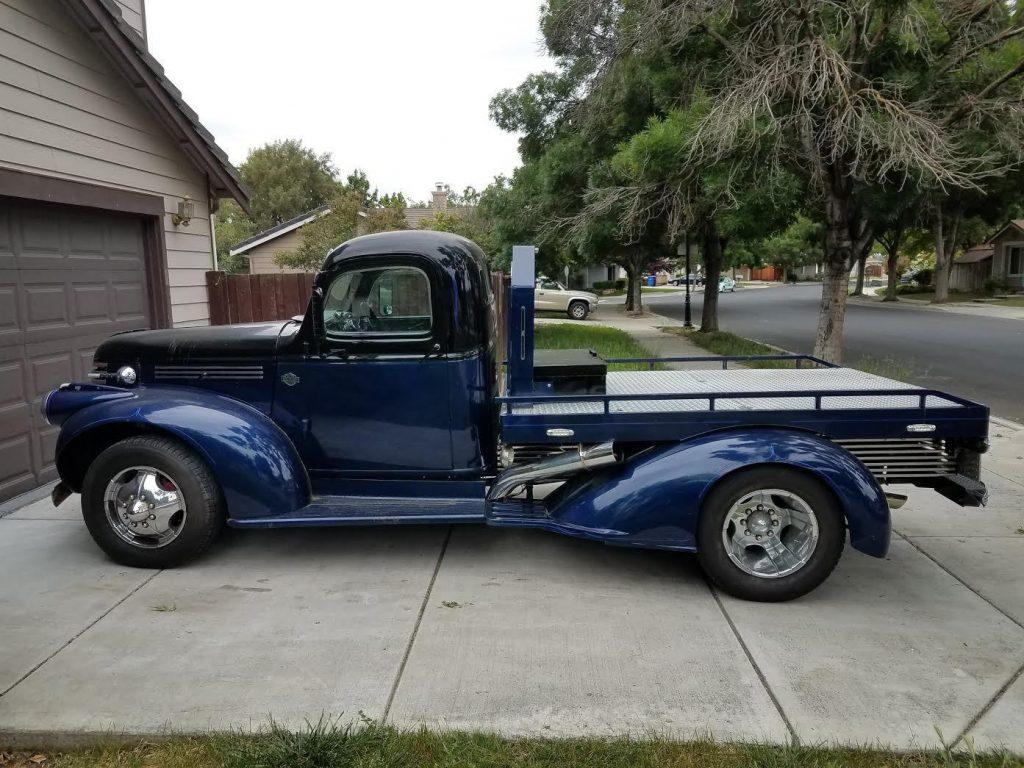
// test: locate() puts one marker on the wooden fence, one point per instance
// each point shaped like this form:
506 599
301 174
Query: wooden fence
252 298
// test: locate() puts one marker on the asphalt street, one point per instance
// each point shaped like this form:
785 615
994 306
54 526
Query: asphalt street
981 358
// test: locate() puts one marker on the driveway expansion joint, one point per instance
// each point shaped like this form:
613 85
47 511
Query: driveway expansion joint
416 626
988 705
757 670
81 632
959 580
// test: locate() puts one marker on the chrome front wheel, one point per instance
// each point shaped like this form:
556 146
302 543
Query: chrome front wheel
145 507
770 533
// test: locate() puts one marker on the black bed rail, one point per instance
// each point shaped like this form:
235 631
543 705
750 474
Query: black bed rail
922 396
652 362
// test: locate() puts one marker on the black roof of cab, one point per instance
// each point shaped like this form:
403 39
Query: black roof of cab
459 259
451 252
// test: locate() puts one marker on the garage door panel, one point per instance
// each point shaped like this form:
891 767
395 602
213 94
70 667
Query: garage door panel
91 302
16 472
69 279
50 371
46 305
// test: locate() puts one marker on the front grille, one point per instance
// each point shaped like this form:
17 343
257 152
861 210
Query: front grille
192 372
903 459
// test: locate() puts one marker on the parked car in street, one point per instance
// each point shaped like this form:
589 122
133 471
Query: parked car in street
383 406
726 284
552 296
694 280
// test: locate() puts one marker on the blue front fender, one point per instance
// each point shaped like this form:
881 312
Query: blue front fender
257 466
654 499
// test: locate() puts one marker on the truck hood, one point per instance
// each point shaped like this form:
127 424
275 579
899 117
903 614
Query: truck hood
252 342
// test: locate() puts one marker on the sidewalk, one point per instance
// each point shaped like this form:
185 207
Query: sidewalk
957 307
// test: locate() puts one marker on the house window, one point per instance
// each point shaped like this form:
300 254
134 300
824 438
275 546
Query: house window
1015 260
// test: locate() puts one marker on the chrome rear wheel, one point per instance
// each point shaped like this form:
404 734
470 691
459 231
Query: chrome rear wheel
770 533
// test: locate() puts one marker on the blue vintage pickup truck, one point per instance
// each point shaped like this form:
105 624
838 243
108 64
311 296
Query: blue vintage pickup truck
389 403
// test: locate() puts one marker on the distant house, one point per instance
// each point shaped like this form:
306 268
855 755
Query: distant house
1008 253
972 268
261 248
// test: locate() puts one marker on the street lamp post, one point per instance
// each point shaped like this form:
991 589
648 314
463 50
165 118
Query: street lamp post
687 322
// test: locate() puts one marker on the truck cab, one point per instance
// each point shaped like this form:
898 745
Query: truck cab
390 402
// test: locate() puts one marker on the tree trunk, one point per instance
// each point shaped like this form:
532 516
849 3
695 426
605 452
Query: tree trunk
861 265
712 271
946 229
892 256
840 249
633 263
630 283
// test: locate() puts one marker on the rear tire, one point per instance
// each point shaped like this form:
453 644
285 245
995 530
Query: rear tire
163 476
755 532
578 310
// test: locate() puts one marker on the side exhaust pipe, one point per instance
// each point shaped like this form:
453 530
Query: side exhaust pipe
563 465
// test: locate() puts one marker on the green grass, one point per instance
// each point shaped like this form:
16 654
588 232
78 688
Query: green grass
725 343
326 745
607 342
1013 301
729 344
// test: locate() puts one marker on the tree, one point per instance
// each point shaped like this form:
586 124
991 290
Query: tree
286 179
324 233
231 226
850 97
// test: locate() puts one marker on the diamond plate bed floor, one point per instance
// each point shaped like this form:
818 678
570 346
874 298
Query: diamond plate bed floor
715 381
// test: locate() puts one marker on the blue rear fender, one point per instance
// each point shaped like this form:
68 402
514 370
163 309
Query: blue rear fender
654 499
256 465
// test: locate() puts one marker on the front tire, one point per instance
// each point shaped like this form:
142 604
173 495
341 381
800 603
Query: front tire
578 310
770 534
149 502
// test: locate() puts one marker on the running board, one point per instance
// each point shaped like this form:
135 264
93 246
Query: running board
393 510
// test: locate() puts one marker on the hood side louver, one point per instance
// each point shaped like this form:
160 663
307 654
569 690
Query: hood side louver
207 372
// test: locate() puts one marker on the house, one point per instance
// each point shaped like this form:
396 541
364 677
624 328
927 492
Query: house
972 268
1008 254
261 248
107 182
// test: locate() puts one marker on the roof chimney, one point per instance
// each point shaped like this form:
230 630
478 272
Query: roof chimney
439 197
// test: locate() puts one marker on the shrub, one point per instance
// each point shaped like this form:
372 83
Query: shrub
924 277
604 285
997 285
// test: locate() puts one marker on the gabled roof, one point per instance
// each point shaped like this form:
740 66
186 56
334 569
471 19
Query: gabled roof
280 229
975 254
1018 223
102 21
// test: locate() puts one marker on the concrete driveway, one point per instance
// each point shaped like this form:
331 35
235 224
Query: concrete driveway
519 632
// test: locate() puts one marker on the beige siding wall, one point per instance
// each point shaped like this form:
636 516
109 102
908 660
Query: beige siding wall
1000 263
261 258
66 112
134 12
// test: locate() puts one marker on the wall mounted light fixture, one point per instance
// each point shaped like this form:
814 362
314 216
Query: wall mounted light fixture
186 208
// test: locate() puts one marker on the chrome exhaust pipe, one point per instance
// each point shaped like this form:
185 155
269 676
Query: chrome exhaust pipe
562 465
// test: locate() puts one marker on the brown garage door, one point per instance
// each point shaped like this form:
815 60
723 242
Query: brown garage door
69 278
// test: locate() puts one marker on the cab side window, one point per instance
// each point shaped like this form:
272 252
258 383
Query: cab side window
377 301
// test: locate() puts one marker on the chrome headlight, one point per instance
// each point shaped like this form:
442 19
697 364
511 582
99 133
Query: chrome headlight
127 375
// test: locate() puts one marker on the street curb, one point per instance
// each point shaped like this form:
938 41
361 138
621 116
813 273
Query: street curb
999 421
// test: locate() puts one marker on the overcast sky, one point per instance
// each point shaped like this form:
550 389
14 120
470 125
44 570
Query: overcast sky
398 88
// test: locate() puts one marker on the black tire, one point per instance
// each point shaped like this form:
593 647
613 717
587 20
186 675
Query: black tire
578 310
204 518
726 574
